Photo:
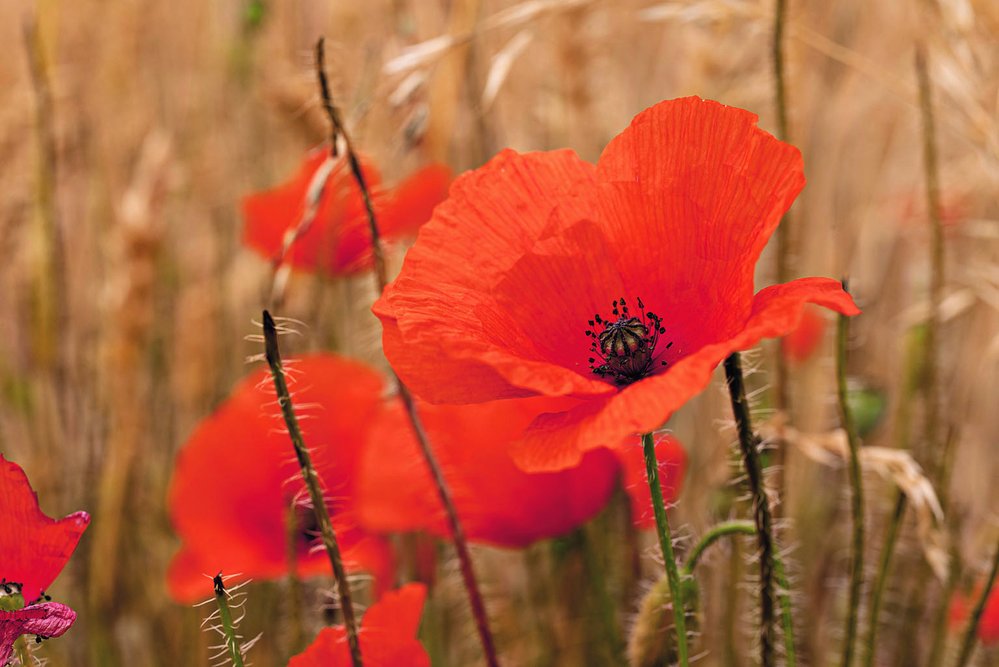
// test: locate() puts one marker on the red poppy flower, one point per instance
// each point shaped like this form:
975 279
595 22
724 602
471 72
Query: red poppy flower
387 635
338 241
619 286
988 626
803 341
236 477
33 547
45 620
497 502
672 459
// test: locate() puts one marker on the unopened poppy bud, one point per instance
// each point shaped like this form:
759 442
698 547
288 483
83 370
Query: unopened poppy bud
653 641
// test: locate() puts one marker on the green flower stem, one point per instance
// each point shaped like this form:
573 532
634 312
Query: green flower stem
313 485
783 253
228 627
21 651
762 517
749 528
970 634
666 543
931 173
786 612
881 581
857 490
381 276
598 588
716 533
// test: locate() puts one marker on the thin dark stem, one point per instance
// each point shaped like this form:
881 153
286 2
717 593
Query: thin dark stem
783 231
228 627
313 484
457 532
777 54
881 580
748 444
940 622
970 634
856 494
666 544
786 612
931 170
598 587
381 276
47 182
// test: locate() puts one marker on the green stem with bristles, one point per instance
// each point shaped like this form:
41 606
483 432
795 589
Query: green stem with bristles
713 535
881 580
968 645
857 490
749 528
228 627
666 544
313 485
762 517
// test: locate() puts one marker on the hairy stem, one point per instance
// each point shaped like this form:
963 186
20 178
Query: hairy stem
313 485
713 535
749 528
762 517
381 276
857 491
228 627
881 580
783 230
666 544
970 634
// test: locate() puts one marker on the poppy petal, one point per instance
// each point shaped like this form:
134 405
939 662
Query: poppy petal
48 619
804 339
497 502
34 547
236 477
387 635
432 306
646 405
411 203
705 148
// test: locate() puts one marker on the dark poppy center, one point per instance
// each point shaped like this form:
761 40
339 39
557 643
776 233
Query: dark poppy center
625 350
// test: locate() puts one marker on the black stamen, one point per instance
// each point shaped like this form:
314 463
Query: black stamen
625 351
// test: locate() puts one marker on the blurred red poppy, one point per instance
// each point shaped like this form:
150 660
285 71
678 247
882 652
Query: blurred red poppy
236 477
33 548
388 635
338 241
804 340
988 626
497 502
619 286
